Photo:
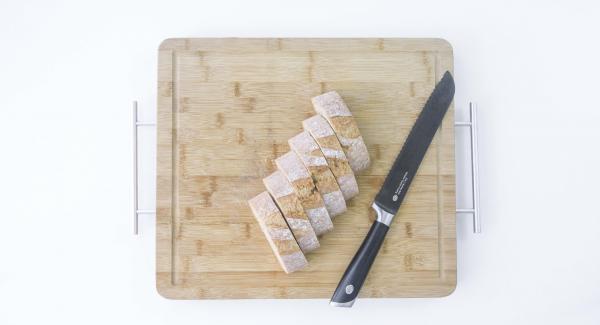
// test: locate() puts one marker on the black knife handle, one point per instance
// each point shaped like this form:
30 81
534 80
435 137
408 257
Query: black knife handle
359 267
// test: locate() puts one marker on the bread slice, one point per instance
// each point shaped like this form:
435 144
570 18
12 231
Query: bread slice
283 193
309 152
278 234
304 187
332 107
325 137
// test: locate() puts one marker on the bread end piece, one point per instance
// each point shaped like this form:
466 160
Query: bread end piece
278 234
334 109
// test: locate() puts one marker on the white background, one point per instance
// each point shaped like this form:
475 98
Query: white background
68 74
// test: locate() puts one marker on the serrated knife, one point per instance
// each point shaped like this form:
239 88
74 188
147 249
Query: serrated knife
396 184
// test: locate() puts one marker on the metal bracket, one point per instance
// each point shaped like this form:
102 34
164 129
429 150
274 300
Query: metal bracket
136 210
472 125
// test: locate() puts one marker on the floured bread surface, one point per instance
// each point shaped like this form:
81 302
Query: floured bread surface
313 159
331 148
298 175
283 193
332 107
278 234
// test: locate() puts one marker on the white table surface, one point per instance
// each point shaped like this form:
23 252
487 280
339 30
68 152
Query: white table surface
68 74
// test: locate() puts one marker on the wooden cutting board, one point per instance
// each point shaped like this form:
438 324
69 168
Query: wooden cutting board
226 108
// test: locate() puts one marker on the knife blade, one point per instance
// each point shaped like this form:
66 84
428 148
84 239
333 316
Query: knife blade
394 188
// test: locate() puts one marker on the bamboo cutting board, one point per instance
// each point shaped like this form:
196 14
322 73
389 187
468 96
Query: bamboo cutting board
226 108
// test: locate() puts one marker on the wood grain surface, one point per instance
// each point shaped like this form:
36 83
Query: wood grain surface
226 108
